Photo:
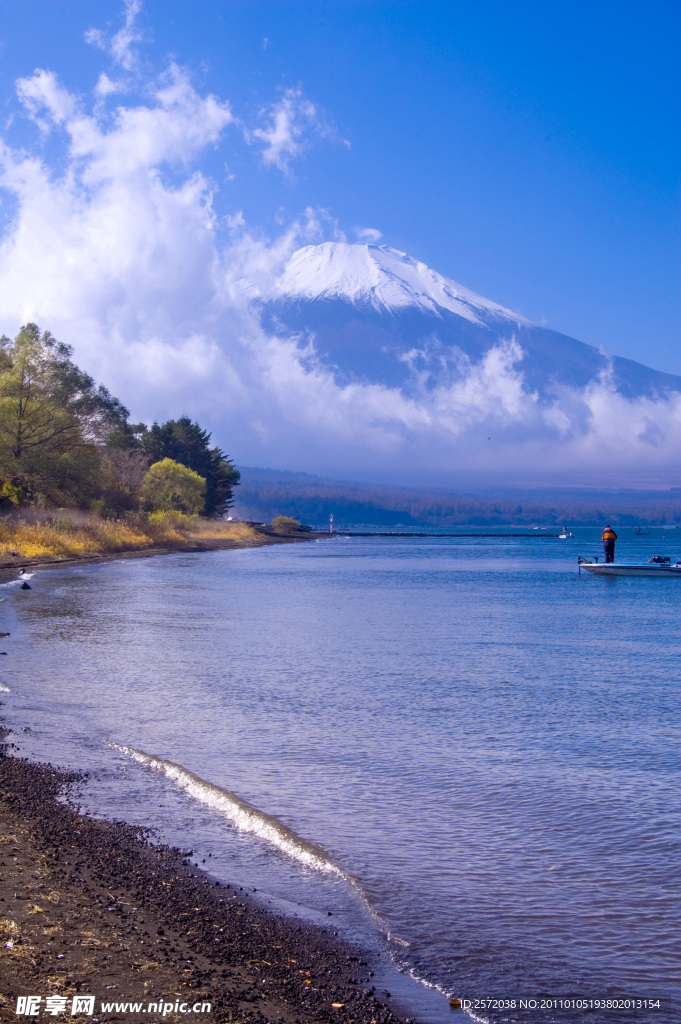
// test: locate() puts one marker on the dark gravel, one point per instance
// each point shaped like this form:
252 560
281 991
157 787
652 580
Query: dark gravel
92 907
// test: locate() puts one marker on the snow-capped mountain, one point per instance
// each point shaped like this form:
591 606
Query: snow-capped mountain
377 315
383 278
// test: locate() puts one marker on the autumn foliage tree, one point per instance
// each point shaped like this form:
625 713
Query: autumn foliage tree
184 441
66 441
54 420
169 486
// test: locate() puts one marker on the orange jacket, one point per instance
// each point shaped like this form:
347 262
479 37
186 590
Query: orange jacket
609 535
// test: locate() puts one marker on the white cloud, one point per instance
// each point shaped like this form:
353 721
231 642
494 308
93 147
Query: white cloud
134 272
45 100
289 126
368 235
107 87
175 127
121 46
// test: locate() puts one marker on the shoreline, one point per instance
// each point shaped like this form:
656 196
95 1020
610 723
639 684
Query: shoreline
265 536
94 907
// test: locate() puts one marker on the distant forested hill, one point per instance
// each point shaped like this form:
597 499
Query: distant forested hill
265 493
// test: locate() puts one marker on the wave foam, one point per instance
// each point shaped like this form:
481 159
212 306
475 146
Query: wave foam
240 813
247 818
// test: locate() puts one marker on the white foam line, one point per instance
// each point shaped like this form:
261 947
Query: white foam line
249 819
241 814
429 984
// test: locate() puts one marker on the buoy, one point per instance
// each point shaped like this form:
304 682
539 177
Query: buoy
455 1004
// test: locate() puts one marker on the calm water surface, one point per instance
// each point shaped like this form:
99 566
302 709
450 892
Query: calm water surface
483 742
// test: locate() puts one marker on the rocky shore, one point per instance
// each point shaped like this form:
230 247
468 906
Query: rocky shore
92 907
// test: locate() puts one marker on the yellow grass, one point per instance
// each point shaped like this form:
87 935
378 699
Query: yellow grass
76 534
217 529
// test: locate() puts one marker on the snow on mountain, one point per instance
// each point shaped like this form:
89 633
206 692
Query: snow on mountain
376 315
382 277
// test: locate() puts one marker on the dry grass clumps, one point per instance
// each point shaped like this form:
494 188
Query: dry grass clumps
73 534
62 536
220 529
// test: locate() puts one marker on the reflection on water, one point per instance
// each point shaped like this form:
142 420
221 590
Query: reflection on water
482 738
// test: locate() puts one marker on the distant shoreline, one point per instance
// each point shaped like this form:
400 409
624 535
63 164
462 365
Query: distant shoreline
397 533
354 504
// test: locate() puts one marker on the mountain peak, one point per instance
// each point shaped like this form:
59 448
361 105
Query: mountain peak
381 277
376 315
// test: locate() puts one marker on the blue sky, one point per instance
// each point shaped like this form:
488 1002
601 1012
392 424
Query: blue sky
530 150
156 155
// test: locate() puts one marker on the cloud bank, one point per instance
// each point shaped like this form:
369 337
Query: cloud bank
120 246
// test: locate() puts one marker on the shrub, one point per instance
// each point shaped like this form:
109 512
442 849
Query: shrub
168 486
170 517
64 524
285 524
11 494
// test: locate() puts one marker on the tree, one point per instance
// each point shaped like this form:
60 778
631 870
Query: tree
53 418
185 442
122 471
169 486
64 440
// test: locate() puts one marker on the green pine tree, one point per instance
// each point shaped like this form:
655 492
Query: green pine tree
187 443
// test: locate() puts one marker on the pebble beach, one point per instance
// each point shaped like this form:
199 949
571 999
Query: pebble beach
94 907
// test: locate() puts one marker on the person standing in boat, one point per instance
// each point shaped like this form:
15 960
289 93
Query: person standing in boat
609 537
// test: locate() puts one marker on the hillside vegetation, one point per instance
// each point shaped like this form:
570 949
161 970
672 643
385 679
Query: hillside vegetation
264 493
67 443
77 478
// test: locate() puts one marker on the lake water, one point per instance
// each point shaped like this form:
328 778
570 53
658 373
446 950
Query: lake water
462 743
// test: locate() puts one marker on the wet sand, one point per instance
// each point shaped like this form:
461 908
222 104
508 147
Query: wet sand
94 907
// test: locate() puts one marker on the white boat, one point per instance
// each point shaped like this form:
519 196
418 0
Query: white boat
631 568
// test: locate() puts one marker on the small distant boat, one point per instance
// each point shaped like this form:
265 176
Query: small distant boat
564 535
659 567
